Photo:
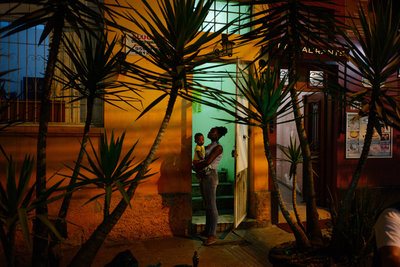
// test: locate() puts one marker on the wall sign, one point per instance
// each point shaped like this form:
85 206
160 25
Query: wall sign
381 146
133 48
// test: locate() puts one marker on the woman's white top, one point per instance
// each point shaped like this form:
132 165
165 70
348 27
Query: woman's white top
387 228
215 162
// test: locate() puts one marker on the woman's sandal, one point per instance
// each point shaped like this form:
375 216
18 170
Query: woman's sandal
210 240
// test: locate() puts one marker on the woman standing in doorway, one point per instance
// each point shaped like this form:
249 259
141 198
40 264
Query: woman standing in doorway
207 171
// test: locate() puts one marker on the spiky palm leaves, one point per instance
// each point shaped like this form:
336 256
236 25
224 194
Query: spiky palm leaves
293 156
55 15
282 30
176 49
266 99
96 64
283 27
374 55
17 202
108 169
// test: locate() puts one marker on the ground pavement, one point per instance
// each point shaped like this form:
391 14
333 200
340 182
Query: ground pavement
242 247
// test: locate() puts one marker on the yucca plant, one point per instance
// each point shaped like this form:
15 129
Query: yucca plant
268 99
357 239
293 156
108 169
282 30
177 49
374 55
17 203
56 15
96 64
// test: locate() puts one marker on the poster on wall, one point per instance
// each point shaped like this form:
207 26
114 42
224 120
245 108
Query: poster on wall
381 146
133 48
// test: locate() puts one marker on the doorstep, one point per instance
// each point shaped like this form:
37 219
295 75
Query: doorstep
225 223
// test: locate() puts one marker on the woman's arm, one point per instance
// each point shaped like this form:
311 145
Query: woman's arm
207 161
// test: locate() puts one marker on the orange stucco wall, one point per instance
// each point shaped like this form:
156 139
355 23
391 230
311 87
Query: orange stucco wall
161 205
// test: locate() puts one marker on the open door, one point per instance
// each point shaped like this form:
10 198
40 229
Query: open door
241 160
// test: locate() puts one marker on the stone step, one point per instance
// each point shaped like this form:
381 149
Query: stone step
223 203
225 223
223 189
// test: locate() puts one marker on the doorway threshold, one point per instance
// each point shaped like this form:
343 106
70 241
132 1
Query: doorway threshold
225 223
223 218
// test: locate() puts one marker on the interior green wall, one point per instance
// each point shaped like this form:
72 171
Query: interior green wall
203 121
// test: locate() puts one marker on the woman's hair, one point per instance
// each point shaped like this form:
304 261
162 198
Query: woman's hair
221 130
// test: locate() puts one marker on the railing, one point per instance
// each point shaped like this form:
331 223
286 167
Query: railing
29 110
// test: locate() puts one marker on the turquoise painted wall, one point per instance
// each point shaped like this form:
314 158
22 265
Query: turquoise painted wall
203 120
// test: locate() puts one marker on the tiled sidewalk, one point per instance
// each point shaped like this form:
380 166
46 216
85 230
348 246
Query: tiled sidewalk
243 247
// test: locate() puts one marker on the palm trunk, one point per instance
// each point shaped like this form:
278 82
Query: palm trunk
301 237
61 223
5 244
343 213
88 251
294 202
107 201
312 217
40 239
10 243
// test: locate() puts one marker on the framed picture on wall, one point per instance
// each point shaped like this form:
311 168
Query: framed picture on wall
316 78
381 145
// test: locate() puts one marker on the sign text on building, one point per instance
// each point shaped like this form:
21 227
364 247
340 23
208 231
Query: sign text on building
133 48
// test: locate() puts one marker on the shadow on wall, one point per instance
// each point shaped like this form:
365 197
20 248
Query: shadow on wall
174 186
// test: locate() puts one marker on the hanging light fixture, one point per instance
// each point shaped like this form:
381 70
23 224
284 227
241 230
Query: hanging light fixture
227 45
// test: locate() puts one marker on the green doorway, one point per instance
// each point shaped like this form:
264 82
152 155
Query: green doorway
203 119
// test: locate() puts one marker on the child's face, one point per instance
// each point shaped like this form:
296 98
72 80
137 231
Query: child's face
199 140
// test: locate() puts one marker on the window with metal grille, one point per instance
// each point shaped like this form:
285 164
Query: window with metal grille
23 61
223 12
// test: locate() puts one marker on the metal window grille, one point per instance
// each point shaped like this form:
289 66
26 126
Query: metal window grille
222 12
25 59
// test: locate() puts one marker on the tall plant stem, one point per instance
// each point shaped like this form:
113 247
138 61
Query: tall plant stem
88 251
294 201
312 216
40 239
10 241
301 237
61 224
5 244
313 228
360 166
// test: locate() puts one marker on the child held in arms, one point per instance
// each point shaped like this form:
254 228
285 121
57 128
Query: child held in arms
199 150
